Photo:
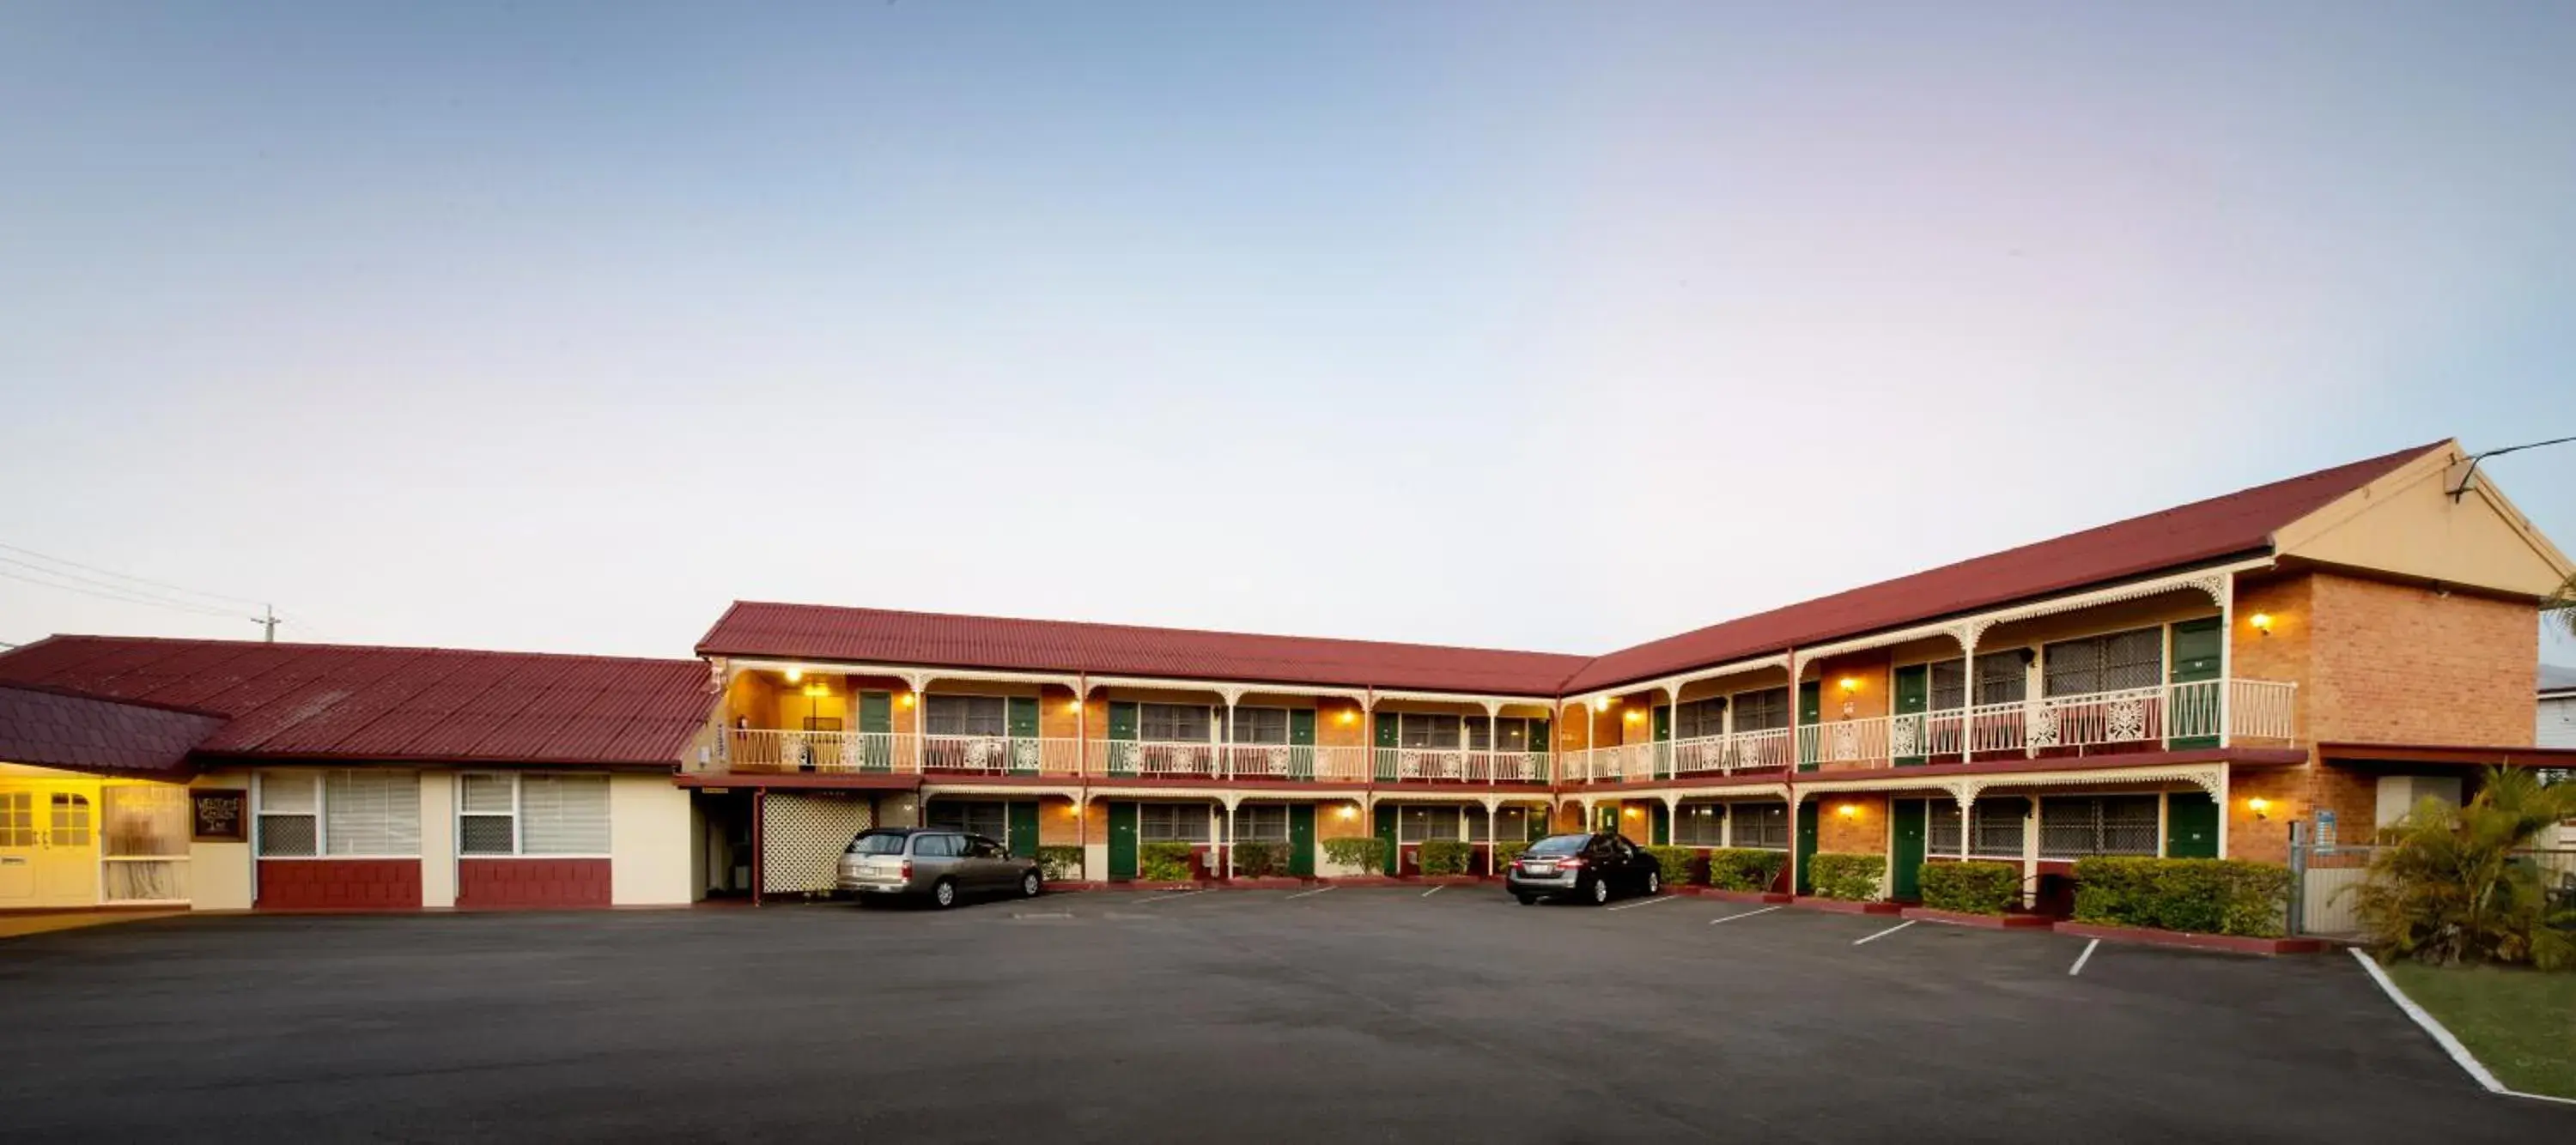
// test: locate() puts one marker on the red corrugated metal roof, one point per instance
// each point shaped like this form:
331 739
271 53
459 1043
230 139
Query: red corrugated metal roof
322 701
882 636
2198 533
78 733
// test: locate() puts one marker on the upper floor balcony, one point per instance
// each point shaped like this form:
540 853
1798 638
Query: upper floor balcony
761 750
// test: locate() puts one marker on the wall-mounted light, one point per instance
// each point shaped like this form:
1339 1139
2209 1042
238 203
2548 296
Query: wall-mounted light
795 674
1073 707
817 689
1350 715
1350 811
2262 622
1630 812
1848 811
1601 705
1634 715
905 699
1851 683
2261 807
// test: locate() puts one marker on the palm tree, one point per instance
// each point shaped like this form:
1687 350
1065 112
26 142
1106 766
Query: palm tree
2561 606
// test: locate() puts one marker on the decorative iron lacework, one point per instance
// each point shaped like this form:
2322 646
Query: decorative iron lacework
802 837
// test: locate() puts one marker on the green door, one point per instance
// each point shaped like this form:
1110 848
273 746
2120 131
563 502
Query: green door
1122 841
1664 742
1906 826
1388 739
1386 813
1606 820
1024 828
1913 697
1811 711
1023 727
1663 828
2191 825
1806 844
1301 839
876 722
1538 742
1301 755
2191 713
1122 747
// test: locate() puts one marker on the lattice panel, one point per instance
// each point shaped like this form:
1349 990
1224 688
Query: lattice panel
802 837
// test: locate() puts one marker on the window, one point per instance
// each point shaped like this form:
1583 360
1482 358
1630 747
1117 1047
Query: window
1949 685
966 715
1700 825
1512 824
1700 718
939 846
977 817
2003 677
980 847
2113 663
1173 822
1261 822
1763 825
822 723
1420 824
1261 725
304 814
70 820
2071 827
876 843
532 815
1762 711
1560 845
17 819
1416 730
1994 826
1512 734
1173 723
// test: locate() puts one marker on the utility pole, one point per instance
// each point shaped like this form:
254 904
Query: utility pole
267 623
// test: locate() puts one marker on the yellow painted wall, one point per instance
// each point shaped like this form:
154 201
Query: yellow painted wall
219 874
2407 525
649 842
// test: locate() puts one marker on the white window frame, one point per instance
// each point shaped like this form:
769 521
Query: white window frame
1206 817
1245 832
1735 708
518 817
1205 713
1788 829
1403 823
928 699
1234 729
1717 821
321 813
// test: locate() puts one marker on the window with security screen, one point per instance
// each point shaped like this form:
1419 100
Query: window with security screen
1700 718
2003 677
1762 711
966 715
353 812
1261 822
1763 825
989 818
2113 663
1994 829
2073 826
1422 824
1420 730
1173 723
1173 823
1261 725
505 814
1699 825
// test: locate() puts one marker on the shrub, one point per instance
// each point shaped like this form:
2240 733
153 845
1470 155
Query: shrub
1165 862
1504 853
1971 887
2448 887
2205 896
1445 856
1676 863
1060 863
1260 859
1366 852
1744 868
1851 878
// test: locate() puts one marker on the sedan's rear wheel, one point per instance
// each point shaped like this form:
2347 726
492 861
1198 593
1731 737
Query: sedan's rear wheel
1600 891
944 893
1029 884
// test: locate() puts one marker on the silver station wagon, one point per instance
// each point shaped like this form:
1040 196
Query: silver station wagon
940 865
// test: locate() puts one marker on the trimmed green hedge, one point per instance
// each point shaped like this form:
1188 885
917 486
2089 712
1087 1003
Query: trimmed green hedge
2203 896
1164 862
1744 868
1367 852
1444 856
1971 887
1504 853
1676 863
1258 859
1851 878
1058 864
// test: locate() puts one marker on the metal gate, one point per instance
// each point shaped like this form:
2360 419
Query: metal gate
2325 881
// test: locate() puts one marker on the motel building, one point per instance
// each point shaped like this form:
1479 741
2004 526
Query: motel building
2318 652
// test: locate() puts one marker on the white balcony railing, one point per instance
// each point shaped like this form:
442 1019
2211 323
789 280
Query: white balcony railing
1459 765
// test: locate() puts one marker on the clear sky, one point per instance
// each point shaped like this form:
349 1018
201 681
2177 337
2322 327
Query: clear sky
1553 325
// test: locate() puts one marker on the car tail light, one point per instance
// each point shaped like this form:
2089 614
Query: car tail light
907 868
1569 862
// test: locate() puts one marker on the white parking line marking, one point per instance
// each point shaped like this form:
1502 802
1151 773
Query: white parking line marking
1044 914
1182 895
1747 914
1886 932
1434 890
1647 902
1303 894
2083 958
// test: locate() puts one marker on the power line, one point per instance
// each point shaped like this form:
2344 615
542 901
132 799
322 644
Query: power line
136 593
124 576
201 610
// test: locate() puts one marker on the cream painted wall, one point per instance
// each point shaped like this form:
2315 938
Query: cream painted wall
219 874
650 844
437 840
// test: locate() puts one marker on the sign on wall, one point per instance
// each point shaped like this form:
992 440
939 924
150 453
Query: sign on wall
219 814
2325 831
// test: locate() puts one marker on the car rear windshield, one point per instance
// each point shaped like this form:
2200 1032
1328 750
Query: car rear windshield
877 843
1559 845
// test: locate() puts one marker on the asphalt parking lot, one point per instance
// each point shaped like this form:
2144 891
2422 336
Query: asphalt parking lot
1357 1013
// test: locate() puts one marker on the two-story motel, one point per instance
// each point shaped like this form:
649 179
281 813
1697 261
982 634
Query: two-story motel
2318 651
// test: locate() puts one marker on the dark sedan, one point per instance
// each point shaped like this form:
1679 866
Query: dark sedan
1588 868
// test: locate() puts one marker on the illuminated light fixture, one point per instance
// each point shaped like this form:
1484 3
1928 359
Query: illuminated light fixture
1848 810
1074 706
2262 622
1630 812
1350 715
1601 705
1634 716
904 699
795 674
2261 807
1350 811
1851 683
817 689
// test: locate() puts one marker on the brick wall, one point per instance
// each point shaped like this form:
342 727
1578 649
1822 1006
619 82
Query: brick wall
502 883
339 884
2401 664
1864 832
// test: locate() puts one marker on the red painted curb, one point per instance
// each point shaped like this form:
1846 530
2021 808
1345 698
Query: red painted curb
1839 906
2235 944
1723 894
1990 921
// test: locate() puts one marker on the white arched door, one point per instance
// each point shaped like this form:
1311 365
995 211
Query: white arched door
48 845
